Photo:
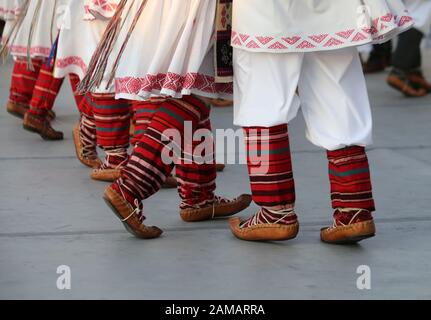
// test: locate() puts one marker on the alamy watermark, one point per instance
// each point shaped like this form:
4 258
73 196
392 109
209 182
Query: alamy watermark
64 281
364 280
200 146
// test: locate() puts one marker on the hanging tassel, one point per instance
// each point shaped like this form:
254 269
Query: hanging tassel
99 61
124 45
54 11
33 26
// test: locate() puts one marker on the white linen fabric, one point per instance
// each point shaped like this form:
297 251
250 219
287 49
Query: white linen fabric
78 40
44 25
315 25
332 94
170 52
9 9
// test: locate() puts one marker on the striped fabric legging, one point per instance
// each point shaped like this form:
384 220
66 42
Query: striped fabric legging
112 120
146 170
349 174
74 81
87 123
143 112
270 166
272 182
45 91
23 81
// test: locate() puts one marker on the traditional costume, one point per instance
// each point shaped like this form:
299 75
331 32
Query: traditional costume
29 38
104 120
80 33
284 45
165 60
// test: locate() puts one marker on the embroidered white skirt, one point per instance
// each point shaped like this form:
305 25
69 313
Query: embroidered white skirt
38 43
79 36
101 9
282 26
9 9
170 52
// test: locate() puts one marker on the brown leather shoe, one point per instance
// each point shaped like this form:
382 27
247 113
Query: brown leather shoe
89 161
405 86
129 216
220 167
106 175
221 103
220 209
418 79
132 128
41 126
17 109
264 232
349 234
51 115
170 183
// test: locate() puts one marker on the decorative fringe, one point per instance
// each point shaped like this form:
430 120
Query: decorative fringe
4 49
30 36
54 10
124 45
99 61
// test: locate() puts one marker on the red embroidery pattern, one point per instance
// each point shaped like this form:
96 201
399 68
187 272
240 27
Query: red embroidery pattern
34 51
171 82
105 8
69 61
87 15
375 32
9 12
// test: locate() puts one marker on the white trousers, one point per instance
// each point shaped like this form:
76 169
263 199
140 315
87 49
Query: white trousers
332 94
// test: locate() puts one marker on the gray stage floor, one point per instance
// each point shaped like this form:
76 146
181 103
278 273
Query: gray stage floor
51 214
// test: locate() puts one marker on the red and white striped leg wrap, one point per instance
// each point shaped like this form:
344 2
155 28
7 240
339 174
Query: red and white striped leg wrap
45 91
146 171
88 137
112 119
87 128
23 81
74 82
270 166
197 178
143 113
351 188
